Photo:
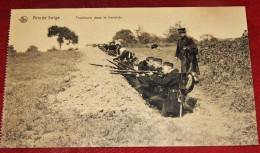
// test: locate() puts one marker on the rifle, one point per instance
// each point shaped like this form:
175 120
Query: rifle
103 65
114 64
127 66
122 73
123 69
131 71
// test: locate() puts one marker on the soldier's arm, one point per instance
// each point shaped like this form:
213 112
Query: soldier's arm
192 46
162 80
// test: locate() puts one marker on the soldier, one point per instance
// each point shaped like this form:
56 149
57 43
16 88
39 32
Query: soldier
154 46
112 49
118 46
147 88
169 96
105 48
125 55
146 64
157 65
186 51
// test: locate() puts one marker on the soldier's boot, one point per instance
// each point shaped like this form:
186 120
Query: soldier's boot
164 113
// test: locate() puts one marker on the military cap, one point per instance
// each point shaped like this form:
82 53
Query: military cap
157 60
181 30
149 58
168 64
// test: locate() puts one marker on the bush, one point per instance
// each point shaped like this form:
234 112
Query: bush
228 70
11 49
32 48
52 49
71 49
127 37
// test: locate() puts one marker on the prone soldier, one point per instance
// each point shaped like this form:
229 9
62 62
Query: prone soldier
146 64
125 55
112 49
147 88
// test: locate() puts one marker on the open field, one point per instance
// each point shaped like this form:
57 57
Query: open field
91 107
30 77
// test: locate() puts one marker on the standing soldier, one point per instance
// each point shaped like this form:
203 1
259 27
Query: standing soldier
186 51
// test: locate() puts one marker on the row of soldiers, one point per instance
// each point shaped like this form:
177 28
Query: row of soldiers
160 83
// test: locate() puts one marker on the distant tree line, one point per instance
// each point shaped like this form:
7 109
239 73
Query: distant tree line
142 37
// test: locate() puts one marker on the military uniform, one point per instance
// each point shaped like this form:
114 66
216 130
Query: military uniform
146 87
169 96
143 66
187 56
125 55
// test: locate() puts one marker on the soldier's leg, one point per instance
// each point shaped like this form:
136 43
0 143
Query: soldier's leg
157 101
184 65
171 105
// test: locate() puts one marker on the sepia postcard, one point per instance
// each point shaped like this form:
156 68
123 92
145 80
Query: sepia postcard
128 77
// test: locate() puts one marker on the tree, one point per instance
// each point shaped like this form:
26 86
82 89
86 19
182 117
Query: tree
11 49
155 38
144 38
126 36
172 33
32 48
63 33
139 31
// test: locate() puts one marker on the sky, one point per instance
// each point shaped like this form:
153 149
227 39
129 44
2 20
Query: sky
222 22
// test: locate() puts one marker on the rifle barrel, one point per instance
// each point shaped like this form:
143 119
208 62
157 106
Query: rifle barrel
114 64
102 65
134 71
122 73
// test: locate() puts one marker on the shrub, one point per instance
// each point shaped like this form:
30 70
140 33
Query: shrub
11 49
228 70
32 48
52 49
71 49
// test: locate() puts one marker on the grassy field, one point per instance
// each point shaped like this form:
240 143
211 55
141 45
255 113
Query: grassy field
30 78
